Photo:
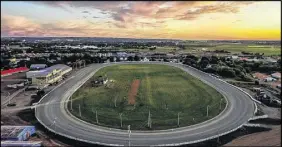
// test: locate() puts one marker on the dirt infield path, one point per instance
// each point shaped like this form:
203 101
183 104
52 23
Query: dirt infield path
133 92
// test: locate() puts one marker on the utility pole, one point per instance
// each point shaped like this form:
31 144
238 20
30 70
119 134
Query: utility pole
97 117
207 110
220 104
178 119
79 110
120 119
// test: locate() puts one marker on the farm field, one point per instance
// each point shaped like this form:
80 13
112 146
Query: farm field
233 48
134 90
237 48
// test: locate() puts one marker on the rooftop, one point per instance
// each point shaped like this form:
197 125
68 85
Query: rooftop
46 71
38 66
11 131
277 74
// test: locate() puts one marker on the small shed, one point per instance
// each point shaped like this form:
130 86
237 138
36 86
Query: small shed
100 81
17 133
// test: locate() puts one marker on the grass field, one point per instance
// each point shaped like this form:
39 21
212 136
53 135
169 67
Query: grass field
266 49
163 90
233 48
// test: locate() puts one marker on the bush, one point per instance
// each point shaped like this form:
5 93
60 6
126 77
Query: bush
227 72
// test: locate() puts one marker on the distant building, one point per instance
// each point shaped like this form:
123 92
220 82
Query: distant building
16 133
37 66
12 71
260 76
276 75
269 79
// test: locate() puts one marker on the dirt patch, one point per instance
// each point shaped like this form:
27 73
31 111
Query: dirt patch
133 92
268 138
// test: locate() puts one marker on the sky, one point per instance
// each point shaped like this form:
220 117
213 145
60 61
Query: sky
187 20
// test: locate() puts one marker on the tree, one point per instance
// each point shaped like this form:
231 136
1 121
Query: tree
214 60
226 72
136 58
117 59
204 63
111 59
130 58
52 57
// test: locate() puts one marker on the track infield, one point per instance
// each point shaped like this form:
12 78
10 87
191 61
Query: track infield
133 92
137 89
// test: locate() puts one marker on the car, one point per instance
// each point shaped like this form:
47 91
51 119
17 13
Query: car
215 75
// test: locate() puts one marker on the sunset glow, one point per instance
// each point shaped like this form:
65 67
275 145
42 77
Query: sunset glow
172 20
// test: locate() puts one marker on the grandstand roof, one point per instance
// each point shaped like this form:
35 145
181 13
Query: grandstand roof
46 71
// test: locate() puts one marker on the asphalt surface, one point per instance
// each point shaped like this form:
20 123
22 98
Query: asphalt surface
52 114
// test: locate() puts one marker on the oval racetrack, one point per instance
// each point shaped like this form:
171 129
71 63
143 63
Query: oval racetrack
239 109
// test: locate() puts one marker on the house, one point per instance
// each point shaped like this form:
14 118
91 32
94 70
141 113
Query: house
276 75
259 76
269 79
145 59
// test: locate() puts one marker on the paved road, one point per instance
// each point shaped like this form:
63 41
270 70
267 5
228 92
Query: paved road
240 109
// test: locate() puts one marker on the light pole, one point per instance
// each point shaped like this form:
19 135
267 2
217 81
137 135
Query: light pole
71 103
120 115
207 110
220 104
178 119
129 132
97 117
79 110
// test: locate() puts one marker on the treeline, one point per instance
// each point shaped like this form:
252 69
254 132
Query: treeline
226 67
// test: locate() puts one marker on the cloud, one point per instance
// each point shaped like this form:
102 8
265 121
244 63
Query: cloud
130 12
21 26
86 12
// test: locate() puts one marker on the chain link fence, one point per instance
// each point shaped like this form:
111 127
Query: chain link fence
144 118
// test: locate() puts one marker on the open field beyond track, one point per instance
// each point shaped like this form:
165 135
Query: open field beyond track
163 90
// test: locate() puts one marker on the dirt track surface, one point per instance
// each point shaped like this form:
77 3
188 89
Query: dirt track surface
133 92
268 138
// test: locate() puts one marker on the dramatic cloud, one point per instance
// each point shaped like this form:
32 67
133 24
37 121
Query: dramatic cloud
131 12
153 19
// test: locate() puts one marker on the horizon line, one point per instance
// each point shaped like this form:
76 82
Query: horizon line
138 38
